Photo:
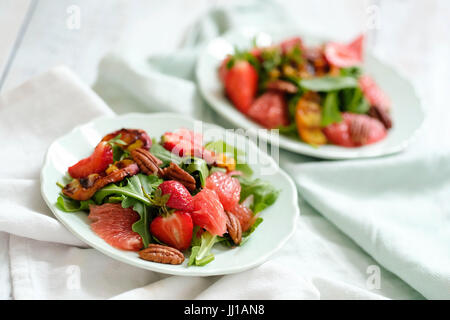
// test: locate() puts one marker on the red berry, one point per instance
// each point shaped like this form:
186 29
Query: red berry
95 163
227 188
373 93
180 198
208 212
270 110
241 85
345 55
183 142
288 44
174 230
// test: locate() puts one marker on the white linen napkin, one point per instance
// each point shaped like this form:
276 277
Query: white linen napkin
395 208
47 262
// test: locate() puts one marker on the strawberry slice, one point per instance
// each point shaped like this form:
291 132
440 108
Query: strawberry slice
227 188
241 85
289 44
208 212
373 93
95 163
174 230
183 142
180 198
345 55
270 110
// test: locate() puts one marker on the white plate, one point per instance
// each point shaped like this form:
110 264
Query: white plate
279 219
406 107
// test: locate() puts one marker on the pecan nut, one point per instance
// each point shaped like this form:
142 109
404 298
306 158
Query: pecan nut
234 228
148 163
382 115
174 172
161 254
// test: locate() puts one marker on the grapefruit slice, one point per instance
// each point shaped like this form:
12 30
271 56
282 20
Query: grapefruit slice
227 188
113 224
208 212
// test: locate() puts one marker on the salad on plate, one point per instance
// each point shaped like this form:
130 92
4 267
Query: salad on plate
167 199
316 94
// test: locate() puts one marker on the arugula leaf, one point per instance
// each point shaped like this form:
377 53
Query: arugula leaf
354 72
330 110
354 101
264 194
164 155
132 189
289 130
201 249
69 205
328 83
199 166
247 233
221 146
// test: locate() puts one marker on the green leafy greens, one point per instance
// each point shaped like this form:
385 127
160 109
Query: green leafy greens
264 194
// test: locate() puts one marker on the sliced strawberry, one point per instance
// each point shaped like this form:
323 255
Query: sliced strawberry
183 142
180 198
174 230
95 163
244 215
270 110
345 55
113 224
241 85
208 212
288 44
355 130
227 188
373 93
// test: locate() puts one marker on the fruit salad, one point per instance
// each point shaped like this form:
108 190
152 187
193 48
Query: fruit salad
319 95
167 199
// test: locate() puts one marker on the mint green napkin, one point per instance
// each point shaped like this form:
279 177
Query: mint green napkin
397 209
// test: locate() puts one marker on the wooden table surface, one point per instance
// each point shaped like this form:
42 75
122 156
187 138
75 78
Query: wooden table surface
35 35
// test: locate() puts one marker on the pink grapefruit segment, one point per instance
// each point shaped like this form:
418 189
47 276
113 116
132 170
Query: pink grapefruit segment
113 224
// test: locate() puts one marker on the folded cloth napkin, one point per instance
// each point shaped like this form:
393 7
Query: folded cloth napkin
395 208
40 259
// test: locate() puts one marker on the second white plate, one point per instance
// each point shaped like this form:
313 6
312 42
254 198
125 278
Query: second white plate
406 106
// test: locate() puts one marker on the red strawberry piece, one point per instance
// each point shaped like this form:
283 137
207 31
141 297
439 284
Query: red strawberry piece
345 55
241 85
208 212
113 224
183 142
373 93
180 198
244 215
288 44
227 188
270 110
174 229
95 163
355 130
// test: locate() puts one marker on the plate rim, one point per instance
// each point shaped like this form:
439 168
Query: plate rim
300 147
157 267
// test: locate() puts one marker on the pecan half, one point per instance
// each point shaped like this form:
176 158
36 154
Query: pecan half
234 228
174 172
85 188
161 254
148 163
283 86
382 115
